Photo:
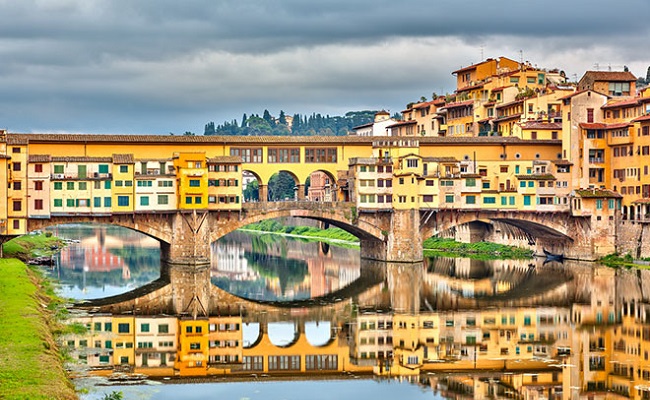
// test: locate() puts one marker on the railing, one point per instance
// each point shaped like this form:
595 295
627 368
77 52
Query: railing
596 160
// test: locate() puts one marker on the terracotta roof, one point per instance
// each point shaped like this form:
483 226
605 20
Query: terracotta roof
542 125
499 89
642 118
562 162
641 201
68 159
401 123
624 103
469 87
598 125
488 119
596 193
11 139
5 157
39 158
225 160
537 177
577 92
425 104
440 159
471 175
610 76
510 103
507 117
459 104
123 159
489 103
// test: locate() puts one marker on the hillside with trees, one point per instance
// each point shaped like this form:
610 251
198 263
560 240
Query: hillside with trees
298 125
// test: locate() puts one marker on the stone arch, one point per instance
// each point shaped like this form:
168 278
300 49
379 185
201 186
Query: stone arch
258 212
155 226
322 186
533 225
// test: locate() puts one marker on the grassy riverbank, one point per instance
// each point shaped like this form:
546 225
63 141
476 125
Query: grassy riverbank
30 365
331 233
32 246
484 250
432 246
626 261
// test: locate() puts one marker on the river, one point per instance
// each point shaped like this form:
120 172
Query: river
279 318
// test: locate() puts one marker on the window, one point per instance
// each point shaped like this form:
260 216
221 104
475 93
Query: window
17 205
412 163
69 202
83 185
18 185
144 328
38 185
69 185
58 169
195 182
107 202
590 115
107 184
17 166
449 198
103 168
470 182
527 200
320 155
123 328
195 346
163 328
144 200
163 199
97 202
58 202
124 168
38 204
123 201
470 199
38 167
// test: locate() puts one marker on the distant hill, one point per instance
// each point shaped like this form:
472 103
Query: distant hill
298 125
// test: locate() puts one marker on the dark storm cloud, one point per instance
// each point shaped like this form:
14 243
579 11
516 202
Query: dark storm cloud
159 66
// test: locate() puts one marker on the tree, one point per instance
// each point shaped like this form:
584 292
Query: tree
282 119
244 118
281 187
268 118
188 133
252 191
258 127
647 76
209 129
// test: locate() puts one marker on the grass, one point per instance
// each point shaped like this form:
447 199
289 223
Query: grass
32 246
273 226
626 261
486 250
30 365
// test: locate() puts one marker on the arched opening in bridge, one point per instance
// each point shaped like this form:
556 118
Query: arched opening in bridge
279 268
319 333
102 260
250 186
283 334
321 186
285 186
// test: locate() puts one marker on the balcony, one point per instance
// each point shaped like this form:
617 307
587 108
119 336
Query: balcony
73 176
596 160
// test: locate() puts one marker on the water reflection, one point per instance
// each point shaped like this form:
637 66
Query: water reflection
103 261
274 268
454 328
515 329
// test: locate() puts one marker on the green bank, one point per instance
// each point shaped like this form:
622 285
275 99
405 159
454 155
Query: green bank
30 364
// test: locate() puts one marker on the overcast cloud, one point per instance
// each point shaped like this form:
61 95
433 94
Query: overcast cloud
160 66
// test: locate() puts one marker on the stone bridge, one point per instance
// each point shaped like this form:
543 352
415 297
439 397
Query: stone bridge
391 235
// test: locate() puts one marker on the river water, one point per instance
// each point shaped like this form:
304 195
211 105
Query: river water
279 318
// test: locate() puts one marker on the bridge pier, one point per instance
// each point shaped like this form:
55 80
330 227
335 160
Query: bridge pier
190 240
402 239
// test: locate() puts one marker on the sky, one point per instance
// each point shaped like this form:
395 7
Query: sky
161 66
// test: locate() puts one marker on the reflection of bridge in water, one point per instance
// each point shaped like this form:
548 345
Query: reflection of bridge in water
449 316
445 284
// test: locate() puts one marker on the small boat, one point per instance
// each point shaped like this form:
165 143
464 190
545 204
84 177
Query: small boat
553 257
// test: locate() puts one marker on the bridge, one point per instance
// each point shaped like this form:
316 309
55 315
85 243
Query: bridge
186 191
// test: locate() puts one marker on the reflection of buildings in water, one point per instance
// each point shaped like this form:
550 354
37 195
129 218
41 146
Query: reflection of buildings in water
595 348
326 272
474 278
228 259
93 255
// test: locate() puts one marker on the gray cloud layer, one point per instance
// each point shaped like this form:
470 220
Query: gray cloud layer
160 66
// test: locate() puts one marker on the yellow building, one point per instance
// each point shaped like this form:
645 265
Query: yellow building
123 191
193 347
224 183
192 180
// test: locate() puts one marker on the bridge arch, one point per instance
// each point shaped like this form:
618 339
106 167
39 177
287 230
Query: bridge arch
533 225
336 214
